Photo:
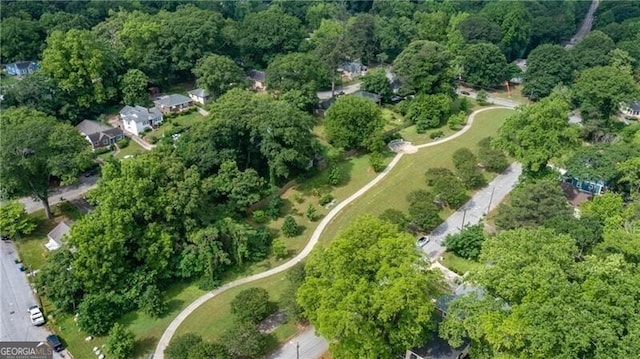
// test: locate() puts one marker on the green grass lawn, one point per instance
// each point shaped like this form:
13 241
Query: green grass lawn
214 317
408 175
131 150
169 125
410 134
458 264
515 95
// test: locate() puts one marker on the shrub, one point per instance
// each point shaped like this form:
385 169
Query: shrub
436 134
252 305
120 342
298 197
153 140
279 248
289 227
97 313
456 121
468 243
151 302
376 160
273 207
326 199
123 143
102 150
335 176
482 98
311 213
434 174
396 217
244 340
260 216
493 160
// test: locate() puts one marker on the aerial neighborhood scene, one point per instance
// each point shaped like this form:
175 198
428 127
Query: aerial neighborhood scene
279 179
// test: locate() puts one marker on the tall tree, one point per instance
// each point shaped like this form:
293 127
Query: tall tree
297 70
537 301
218 74
604 88
134 87
34 148
361 38
84 66
330 46
36 91
20 39
424 67
547 67
120 342
353 122
516 31
538 132
429 111
393 35
485 66
533 205
601 162
376 81
14 220
593 50
478 28
391 292
267 33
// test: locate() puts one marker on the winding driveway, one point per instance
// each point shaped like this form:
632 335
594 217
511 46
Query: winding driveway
173 326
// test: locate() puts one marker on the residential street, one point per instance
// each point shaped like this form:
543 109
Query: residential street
473 211
586 25
310 346
493 100
324 95
67 193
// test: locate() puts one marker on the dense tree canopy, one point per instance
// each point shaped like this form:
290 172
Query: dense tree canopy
83 65
485 66
561 307
424 67
604 88
533 205
218 74
547 67
593 50
34 148
297 70
538 132
388 287
353 122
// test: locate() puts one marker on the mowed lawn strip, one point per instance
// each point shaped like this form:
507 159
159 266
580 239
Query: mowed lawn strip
214 317
408 175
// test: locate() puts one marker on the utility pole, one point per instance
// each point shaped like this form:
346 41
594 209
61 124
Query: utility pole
490 200
297 350
464 215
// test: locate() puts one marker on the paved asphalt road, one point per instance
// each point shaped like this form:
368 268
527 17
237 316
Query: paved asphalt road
473 211
310 347
493 100
586 25
16 297
68 193
323 95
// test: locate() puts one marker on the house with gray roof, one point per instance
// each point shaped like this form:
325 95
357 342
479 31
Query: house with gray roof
258 79
136 119
173 103
21 68
373 97
57 235
99 134
631 109
199 95
352 69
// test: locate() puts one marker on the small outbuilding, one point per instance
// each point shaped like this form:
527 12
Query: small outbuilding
56 236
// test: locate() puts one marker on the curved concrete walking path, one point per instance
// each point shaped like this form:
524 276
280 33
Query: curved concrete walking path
171 329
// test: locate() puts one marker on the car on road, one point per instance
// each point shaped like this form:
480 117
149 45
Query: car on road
465 93
55 342
423 240
36 316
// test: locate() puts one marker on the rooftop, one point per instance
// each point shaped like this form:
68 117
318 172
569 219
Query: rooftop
139 113
256 75
172 100
199 92
88 127
59 232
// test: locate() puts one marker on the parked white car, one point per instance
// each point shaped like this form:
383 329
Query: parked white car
423 240
37 318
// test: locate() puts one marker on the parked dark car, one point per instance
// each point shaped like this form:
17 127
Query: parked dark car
423 240
55 342
465 93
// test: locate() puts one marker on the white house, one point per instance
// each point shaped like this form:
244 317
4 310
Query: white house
200 96
136 119
632 109
56 235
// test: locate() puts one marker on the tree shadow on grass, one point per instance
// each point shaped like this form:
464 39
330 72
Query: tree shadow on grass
320 182
144 346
